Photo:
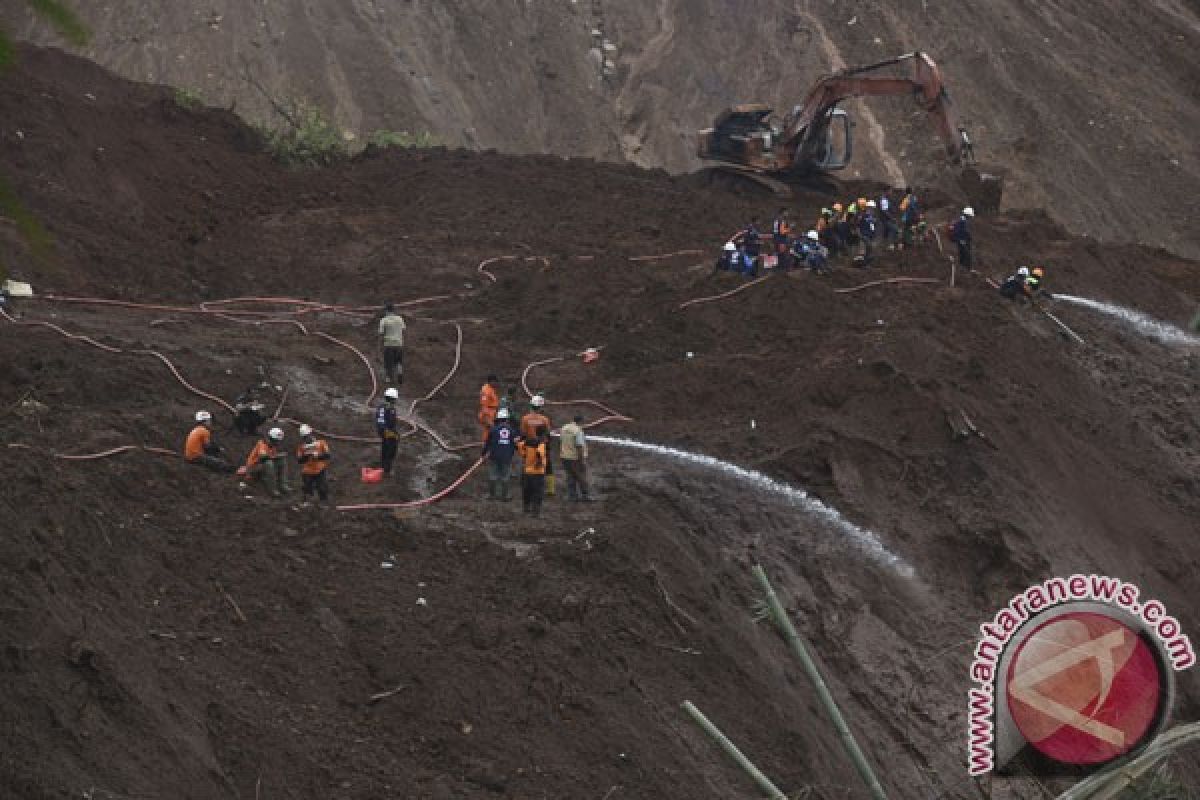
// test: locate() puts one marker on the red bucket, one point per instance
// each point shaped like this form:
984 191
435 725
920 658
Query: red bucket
372 475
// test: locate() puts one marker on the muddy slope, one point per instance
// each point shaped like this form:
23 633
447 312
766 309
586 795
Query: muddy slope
165 636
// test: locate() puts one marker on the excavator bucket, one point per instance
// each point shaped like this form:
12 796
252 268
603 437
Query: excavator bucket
983 187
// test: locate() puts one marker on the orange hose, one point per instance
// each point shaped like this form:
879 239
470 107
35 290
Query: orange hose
886 280
110 349
492 277
612 415
104 453
723 295
185 384
449 375
417 503
364 359
668 255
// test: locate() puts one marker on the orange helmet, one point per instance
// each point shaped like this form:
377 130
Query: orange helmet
1039 272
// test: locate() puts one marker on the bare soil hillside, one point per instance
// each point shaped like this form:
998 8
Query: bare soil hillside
164 635
1090 108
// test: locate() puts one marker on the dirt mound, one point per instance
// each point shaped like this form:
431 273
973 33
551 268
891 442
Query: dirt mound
166 636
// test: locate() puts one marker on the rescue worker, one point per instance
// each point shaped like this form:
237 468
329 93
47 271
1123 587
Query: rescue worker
847 229
868 231
781 235
573 451
248 412
729 259
960 234
489 403
391 339
200 447
838 245
509 401
816 257
537 418
498 453
313 456
533 475
1033 284
268 464
910 216
826 229
385 426
749 239
887 213
1014 285
968 149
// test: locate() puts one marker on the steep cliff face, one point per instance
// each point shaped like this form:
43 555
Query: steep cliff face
1087 107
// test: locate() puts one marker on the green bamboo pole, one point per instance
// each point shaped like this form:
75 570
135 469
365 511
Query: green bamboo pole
1110 783
731 750
839 723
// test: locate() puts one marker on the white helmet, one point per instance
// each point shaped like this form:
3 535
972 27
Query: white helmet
203 417
1023 272
391 394
816 237
730 247
870 204
502 414
306 430
968 212
537 401
275 434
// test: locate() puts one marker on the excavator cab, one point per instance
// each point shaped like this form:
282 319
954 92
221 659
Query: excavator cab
835 144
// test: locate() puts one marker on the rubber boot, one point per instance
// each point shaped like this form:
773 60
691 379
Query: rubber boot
270 477
281 476
493 489
550 486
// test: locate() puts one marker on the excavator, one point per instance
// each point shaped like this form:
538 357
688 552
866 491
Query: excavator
816 136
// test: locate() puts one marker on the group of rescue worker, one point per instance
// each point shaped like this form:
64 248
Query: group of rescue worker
856 229
1025 284
528 443
508 444
267 462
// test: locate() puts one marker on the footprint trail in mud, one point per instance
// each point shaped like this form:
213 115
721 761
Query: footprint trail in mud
866 540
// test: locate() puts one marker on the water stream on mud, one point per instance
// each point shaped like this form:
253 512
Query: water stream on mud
868 541
1144 324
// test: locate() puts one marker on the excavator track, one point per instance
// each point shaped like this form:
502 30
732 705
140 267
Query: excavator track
774 185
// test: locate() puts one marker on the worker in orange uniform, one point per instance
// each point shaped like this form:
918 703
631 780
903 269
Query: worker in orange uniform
200 447
313 455
267 463
533 475
534 419
489 403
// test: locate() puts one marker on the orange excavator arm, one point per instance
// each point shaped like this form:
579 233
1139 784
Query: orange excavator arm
925 84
